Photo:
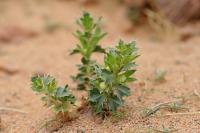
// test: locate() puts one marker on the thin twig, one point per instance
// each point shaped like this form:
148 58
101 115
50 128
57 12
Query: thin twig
12 109
154 109
175 114
196 93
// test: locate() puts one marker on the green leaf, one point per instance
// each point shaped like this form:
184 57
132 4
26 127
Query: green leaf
121 91
130 79
43 84
96 99
97 69
114 102
99 49
62 92
107 76
128 73
75 51
84 60
128 66
87 21
94 95
99 105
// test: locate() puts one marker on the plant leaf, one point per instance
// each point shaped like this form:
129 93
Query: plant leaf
122 91
114 102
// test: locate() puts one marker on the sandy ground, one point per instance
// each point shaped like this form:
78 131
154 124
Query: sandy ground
48 53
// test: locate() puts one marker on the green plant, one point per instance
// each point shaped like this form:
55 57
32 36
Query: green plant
89 37
57 98
109 84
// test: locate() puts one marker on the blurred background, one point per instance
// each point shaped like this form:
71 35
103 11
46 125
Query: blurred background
50 23
36 36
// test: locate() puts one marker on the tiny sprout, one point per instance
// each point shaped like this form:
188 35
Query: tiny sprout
159 75
57 98
51 25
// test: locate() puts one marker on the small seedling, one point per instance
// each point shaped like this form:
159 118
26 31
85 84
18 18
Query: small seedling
52 25
108 86
89 37
159 75
57 98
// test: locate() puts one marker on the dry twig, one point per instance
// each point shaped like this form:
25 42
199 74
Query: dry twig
12 110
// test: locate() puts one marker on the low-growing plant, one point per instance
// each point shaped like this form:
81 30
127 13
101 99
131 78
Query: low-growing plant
57 98
109 83
89 37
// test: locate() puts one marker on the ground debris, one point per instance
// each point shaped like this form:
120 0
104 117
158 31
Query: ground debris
173 106
12 110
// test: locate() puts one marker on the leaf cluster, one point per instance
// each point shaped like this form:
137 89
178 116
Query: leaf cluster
109 83
89 36
57 98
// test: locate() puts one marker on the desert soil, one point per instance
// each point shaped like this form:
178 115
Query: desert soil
48 52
